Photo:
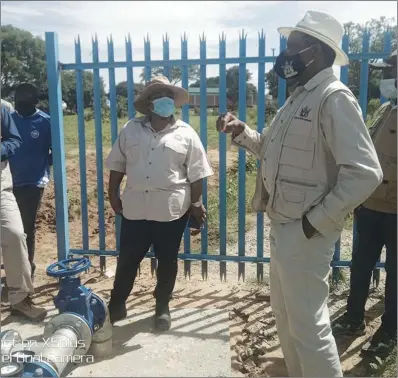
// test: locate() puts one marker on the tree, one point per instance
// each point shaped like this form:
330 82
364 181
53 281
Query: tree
121 89
22 59
68 80
271 80
175 74
376 28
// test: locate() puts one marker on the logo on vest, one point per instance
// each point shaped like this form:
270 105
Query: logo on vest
304 113
34 134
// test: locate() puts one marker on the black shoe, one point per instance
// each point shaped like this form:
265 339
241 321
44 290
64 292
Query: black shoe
162 318
117 312
381 344
344 325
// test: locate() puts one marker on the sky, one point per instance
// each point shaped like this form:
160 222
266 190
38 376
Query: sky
155 18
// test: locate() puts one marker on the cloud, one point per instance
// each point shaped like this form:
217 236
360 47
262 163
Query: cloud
139 18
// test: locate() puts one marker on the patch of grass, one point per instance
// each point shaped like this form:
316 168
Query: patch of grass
213 207
72 140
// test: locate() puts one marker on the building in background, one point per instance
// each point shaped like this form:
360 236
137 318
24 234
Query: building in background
212 95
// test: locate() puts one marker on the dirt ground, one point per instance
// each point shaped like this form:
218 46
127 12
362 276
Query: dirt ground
255 349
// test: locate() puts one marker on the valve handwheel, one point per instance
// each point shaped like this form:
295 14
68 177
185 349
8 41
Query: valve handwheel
69 267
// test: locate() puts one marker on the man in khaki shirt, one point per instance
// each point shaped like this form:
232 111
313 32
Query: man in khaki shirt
377 227
13 240
317 163
165 163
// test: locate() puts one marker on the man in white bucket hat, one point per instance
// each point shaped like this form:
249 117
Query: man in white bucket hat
165 163
317 163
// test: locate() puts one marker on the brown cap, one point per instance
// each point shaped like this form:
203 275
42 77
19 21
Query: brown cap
181 96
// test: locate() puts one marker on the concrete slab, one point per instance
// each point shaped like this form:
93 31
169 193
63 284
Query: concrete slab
198 345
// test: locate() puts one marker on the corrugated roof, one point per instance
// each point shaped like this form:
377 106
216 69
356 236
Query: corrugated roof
208 90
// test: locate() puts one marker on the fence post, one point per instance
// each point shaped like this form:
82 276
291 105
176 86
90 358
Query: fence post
57 140
281 82
222 148
185 118
203 137
344 79
261 106
242 159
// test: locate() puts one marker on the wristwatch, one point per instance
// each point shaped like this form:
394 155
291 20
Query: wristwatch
196 204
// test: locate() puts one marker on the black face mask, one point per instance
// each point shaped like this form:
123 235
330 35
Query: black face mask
25 109
292 66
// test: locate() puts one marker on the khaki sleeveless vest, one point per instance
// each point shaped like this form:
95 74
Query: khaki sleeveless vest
384 135
306 172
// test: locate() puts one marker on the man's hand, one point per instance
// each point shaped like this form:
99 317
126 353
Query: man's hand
308 229
116 204
228 123
199 213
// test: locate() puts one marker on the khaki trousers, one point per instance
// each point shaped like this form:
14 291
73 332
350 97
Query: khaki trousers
13 245
299 285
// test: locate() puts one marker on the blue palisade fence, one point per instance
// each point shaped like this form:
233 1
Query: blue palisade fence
54 68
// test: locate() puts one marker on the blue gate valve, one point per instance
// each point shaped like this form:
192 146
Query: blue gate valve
73 297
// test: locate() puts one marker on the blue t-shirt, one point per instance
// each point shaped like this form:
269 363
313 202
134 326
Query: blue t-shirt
31 163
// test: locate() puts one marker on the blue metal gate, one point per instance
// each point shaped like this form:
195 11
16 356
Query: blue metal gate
54 68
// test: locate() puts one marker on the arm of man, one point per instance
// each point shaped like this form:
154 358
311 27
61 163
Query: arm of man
359 169
10 138
198 168
116 163
250 140
242 135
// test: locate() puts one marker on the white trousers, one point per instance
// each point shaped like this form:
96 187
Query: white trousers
14 250
299 284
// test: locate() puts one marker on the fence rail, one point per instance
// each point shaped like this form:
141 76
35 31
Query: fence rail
54 67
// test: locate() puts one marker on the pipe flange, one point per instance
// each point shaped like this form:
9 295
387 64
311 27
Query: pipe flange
11 369
8 340
75 322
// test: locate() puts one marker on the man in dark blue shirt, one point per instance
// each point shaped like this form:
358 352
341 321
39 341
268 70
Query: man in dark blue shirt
30 166
13 239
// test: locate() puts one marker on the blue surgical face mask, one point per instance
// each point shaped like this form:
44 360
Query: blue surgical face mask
163 107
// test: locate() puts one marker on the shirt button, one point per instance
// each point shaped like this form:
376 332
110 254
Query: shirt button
291 102
147 177
146 191
150 163
152 149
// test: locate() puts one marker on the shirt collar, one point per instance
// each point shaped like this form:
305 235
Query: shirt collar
319 78
172 125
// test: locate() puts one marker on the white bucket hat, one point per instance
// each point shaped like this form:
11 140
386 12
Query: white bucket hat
391 61
323 27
